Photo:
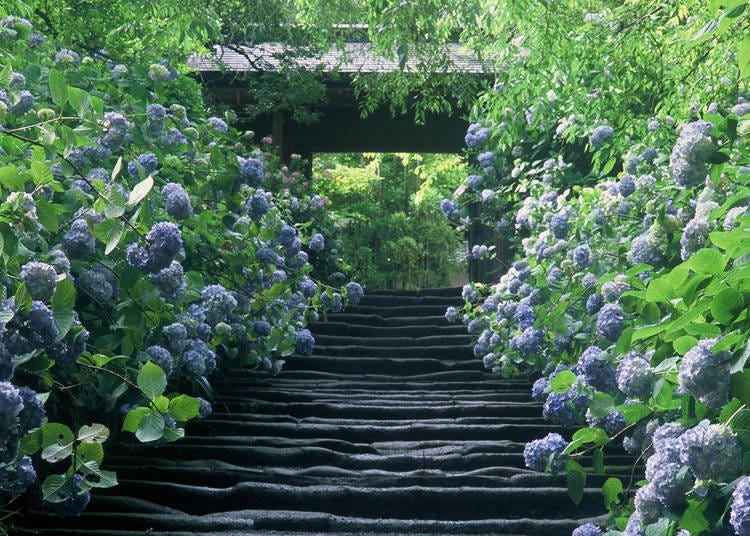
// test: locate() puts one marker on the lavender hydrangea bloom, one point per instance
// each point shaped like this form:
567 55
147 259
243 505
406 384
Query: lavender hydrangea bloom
171 282
634 376
540 453
251 171
164 242
559 225
175 335
32 415
304 342
16 478
468 293
554 275
600 135
42 325
524 315
217 303
449 209
582 257
11 405
65 56
611 322
99 284
666 483
40 279
634 528
689 157
331 301
476 135
705 375
307 287
566 408
451 314
538 389
155 115
739 517
173 137
177 201
116 133
205 409
626 186
528 342
587 529
218 124
694 237
641 251
648 507
78 242
612 423
594 303
257 205
197 359
596 368
711 452
486 159
354 292
474 181
317 242
161 356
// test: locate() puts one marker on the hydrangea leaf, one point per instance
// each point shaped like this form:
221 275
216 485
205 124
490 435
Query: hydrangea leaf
611 491
634 412
562 381
58 87
57 442
63 302
86 452
114 204
184 407
739 386
151 380
133 419
41 173
683 344
47 215
96 433
173 434
707 261
140 191
726 305
693 519
601 404
660 528
110 232
96 477
151 427
54 488
576 479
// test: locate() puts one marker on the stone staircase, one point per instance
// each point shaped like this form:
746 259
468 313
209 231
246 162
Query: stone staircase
391 427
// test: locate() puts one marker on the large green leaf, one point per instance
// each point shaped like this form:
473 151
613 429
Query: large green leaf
576 478
63 302
151 427
58 87
96 433
726 305
611 491
151 380
140 191
184 407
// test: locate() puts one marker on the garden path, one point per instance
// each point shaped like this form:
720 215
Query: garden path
391 427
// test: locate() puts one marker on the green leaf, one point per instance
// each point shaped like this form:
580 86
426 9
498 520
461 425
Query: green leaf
601 404
96 433
47 215
161 403
152 380
743 56
6 76
741 421
151 427
140 191
597 461
611 491
114 204
58 87
110 232
116 170
562 381
86 452
576 478
31 442
183 408
41 173
693 519
707 261
738 365
96 477
57 442
54 489
683 344
660 528
63 302
133 419
173 434
726 305
11 180
739 386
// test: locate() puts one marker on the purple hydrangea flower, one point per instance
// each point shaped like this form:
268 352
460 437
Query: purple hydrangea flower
257 205
476 135
217 303
601 135
634 376
524 315
739 517
11 405
528 342
582 257
642 252
78 242
587 529
705 375
317 242
304 342
559 225
449 209
331 301
40 279
690 154
596 368
164 242
16 478
65 56
626 186
177 201
451 314
548 451
694 237
611 322
538 389
205 409
171 282
218 124
99 284
32 415
251 171
354 292
711 452
161 356
175 336
474 181
307 287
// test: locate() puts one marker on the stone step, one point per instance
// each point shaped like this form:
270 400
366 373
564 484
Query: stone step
367 330
453 340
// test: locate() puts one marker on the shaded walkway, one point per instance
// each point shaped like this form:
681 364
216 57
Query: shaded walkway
391 427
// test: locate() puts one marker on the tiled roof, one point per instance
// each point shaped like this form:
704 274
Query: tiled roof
355 58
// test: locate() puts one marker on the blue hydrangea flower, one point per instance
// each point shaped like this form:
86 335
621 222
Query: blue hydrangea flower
155 115
42 325
217 303
705 375
451 314
739 517
538 389
633 528
641 251
476 135
690 154
11 405
286 235
354 292
612 423
251 171
16 478
304 342
587 529
524 315
99 284
307 287
474 181
694 237
554 275
649 154
626 186
177 201
449 209
648 507
205 409
159 72
548 451
257 206
197 359
262 328
117 127
40 279
634 376
601 135
596 368
67 57
24 103
171 282
582 257
331 301
218 124
78 242
173 137
611 322
175 336
164 242
528 342
298 261
32 415
161 356
711 452
317 242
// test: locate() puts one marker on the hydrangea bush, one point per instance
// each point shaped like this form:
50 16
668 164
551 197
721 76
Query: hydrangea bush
143 251
626 297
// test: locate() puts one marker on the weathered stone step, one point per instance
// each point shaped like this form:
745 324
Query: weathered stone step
387 381
382 365
368 330
234 398
361 350
452 503
453 340
372 319
402 300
